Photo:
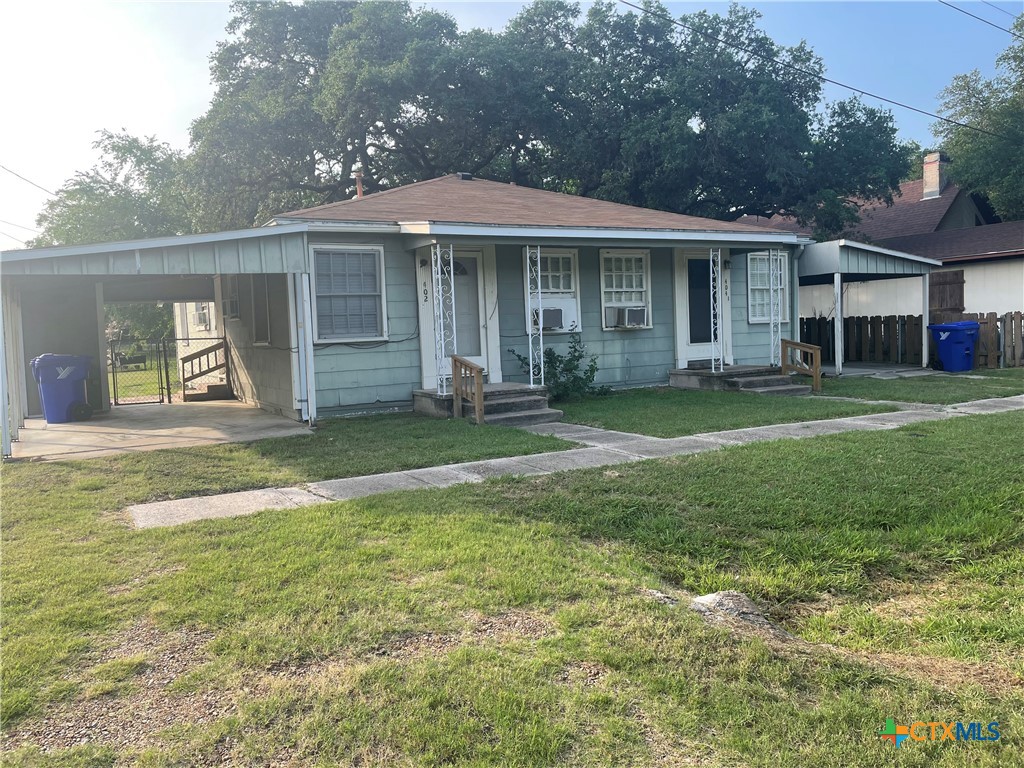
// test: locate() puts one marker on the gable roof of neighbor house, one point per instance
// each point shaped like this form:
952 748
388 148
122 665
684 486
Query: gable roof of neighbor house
909 214
991 241
463 199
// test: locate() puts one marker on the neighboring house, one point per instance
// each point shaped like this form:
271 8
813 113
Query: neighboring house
353 305
935 219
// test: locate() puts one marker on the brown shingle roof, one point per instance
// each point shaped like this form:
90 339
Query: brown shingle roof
451 199
908 215
989 241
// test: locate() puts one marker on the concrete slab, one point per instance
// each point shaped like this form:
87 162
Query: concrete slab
500 467
994 405
179 511
368 485
579 458
657 449
900 418
133 428
442 477
609 438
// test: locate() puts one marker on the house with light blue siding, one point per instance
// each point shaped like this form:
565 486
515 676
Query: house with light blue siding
352 306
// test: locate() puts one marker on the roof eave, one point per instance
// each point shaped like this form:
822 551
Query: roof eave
888 252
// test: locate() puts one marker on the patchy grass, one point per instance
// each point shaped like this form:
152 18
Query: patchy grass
939 388
507 623
338 448
665 412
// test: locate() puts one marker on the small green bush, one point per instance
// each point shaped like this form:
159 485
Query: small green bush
568 376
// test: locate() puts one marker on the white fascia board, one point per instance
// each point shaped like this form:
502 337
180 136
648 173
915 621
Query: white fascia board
599 233
372 227
148 244
887 252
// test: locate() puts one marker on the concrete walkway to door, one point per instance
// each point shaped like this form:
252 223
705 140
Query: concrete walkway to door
131 428
602 448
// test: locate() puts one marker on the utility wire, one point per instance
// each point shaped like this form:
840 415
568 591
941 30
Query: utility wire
51 194
19 226
1001 10
983 21
13 238
803 71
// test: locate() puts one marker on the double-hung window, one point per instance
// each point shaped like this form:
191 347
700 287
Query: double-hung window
558 279
350 301
626 289
759 288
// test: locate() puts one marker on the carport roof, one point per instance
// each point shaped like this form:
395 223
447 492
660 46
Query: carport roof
858 262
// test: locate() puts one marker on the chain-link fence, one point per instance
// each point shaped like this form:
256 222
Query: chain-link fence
151 371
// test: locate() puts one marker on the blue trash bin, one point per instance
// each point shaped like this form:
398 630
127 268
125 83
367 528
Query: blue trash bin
955 344
61 380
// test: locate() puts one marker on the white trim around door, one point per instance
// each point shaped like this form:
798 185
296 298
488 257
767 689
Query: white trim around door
695 263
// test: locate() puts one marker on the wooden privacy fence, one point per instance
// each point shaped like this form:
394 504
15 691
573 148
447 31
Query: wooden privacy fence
897 338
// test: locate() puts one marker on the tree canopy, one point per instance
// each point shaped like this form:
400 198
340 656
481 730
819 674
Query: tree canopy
623 106
990 163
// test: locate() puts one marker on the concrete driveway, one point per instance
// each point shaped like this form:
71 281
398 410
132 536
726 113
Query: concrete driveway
129 428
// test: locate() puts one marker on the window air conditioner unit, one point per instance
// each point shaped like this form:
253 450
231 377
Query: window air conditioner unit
553 319
201 320
626 317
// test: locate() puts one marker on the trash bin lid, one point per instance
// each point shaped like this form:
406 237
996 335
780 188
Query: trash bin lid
51 360
959 325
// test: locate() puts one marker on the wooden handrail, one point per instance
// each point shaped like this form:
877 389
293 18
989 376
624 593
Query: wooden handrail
810 367
204 367
468 384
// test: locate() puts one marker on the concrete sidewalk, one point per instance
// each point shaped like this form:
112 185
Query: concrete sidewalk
602 448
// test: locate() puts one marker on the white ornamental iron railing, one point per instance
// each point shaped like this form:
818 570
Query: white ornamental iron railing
717 353
776 274
442 262
535 316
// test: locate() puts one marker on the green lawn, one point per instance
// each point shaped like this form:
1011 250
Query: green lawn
664 412
943 388
504 624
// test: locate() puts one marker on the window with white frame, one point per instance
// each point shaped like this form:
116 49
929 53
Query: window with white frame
626 289
349 283
759 307
558 279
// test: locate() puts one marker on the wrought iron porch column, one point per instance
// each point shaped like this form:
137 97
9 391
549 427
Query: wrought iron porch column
442 262
717 353
535 302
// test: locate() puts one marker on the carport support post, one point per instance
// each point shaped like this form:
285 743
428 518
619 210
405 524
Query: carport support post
837 325
5 406
925 288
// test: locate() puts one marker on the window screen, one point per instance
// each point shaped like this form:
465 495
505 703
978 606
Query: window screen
348 293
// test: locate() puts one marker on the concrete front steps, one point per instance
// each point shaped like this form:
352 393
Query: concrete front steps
508 404
760 380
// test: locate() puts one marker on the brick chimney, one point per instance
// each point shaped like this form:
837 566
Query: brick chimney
934 175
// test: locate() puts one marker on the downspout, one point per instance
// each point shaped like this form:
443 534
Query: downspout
5 414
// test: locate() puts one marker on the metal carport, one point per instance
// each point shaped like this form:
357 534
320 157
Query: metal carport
847 261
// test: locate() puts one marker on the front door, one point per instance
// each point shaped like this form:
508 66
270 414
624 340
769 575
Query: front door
693 309
468 288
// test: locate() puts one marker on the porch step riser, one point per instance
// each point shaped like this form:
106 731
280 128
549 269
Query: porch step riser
507 405
758 382
524 418
792 390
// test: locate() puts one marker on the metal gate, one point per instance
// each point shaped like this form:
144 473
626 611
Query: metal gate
140 371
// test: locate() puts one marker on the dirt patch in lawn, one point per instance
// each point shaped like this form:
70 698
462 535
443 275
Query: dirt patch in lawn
583 674
139 665
741 615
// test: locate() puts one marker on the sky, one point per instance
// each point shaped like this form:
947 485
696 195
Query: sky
72 69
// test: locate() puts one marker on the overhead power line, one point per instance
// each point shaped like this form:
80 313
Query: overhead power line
983 21
807 72
1001 10
13 238
19 226
4 167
